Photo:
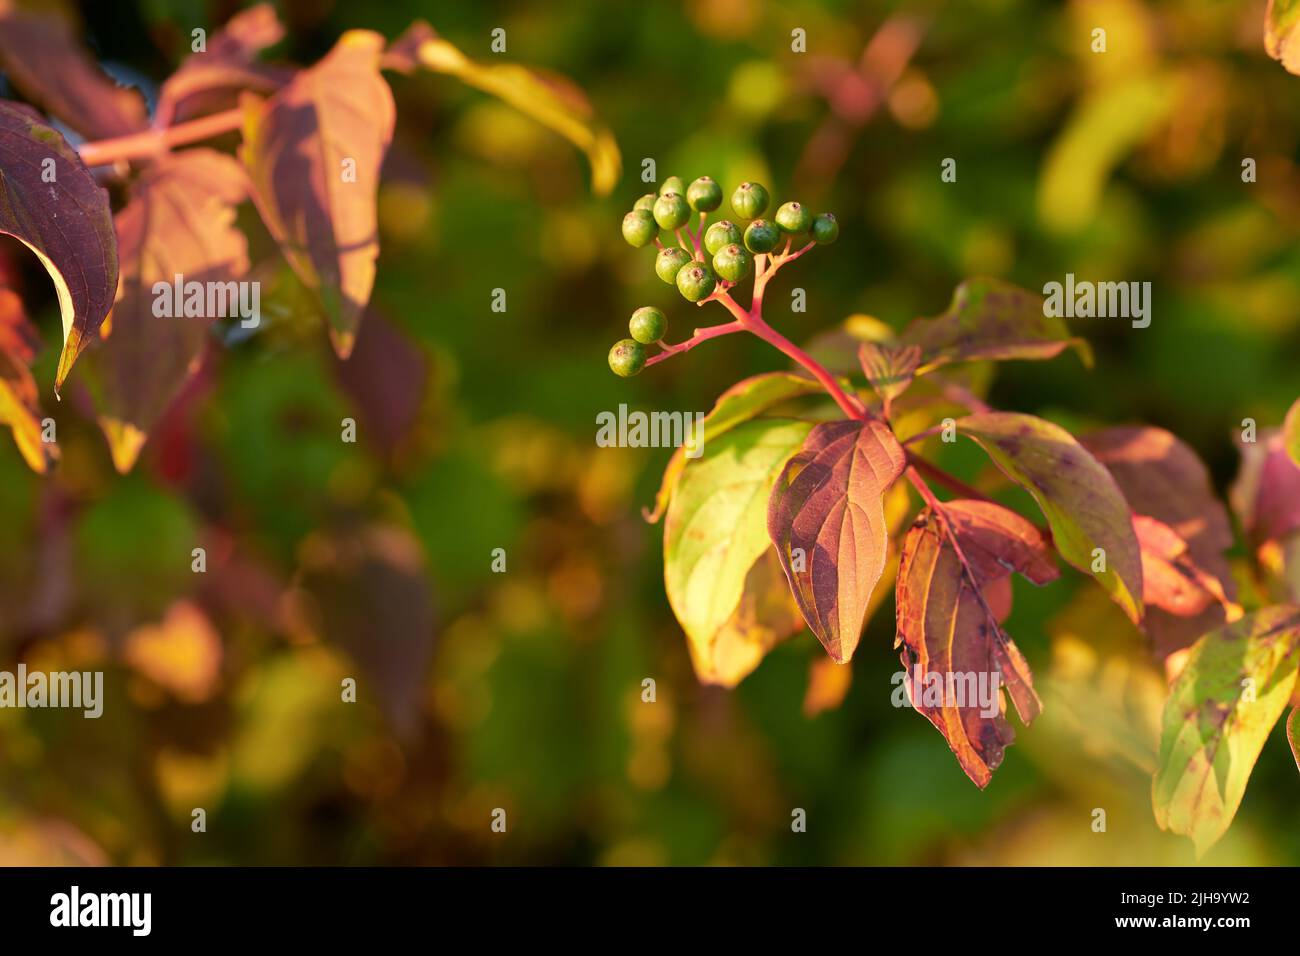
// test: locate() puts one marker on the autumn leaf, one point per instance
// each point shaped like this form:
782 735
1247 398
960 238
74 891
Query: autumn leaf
228 64
50 202
1281 22
991 319
828 684
1293 734
1221 709
1090 520
889 370
20 407
180 221
951 634
765 616
714 535
181 653
1164 480
1266 493
744 400
551 100
826 517
1291 433
313 152
50 67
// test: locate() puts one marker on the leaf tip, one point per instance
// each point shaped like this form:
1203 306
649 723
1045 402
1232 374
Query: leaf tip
124 443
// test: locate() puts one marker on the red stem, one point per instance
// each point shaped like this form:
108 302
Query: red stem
152 142
698 336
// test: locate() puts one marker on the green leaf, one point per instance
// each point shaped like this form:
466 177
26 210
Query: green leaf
716 529
992 319
1220 710
1078 496
1291 432
743 401
552 100
1281 23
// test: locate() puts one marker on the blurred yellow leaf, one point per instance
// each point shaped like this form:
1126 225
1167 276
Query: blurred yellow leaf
551 100
182 653
1281 23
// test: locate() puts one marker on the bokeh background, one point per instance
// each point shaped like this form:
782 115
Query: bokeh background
477 431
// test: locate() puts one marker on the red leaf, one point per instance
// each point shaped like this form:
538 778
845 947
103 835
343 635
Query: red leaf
49 201
827 520
1163 479
20 406
947 629
314 152
47 64
228 64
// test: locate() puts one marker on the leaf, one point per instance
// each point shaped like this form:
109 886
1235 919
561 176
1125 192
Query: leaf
1171 579
889 370
229 63
313 152
1291 433
1293 734
181 653
180 221
20 406
765 616
827 520
1220 710
828 684
744 400
715 533
1162 478
46 63
1281 22
946 628
552 101
1081 501
1266 492
992 319
67 223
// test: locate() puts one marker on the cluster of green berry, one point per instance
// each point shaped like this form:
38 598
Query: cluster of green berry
731 249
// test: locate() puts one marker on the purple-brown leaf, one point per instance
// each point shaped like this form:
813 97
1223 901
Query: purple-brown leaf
50 202
51 68
180 221
950 635
314 152
826 517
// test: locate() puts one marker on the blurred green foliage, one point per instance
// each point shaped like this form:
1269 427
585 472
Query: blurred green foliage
1123 165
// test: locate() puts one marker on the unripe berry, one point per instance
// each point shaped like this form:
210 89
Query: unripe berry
648 325
627 358
646 202
704 195
696 282
762 236
793 218
669 261
749 200
671 211
825 228
722 233
673 184
639 228
733 262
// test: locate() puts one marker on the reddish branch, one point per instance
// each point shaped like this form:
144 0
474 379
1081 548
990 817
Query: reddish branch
153 142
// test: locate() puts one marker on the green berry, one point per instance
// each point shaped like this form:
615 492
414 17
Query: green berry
793 218
733 262
669 261
704 195
648 325
722 233
671 211
626 358
639 228
762 236
696 282
646 202
749 200
673 184
825 228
